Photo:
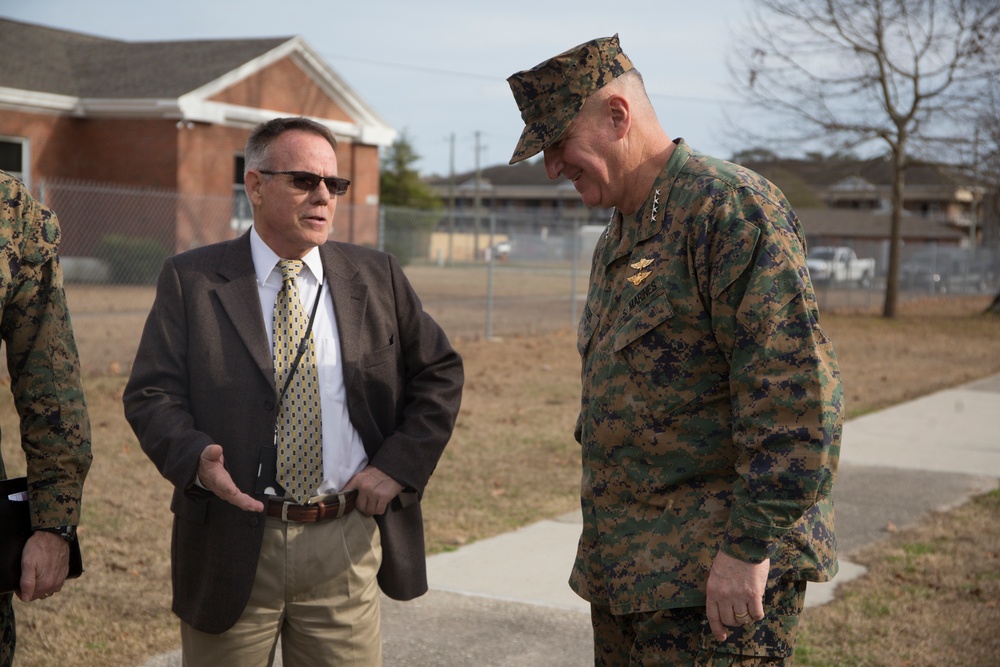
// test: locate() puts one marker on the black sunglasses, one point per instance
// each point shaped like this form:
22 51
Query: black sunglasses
308 181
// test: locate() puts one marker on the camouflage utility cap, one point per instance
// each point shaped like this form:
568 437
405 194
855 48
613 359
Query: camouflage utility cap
549 95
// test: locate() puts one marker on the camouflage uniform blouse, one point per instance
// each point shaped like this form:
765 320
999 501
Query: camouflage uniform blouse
42 359
712 406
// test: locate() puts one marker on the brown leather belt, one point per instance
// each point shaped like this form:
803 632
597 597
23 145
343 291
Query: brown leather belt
331 508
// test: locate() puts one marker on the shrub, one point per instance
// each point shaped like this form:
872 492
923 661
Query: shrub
132 261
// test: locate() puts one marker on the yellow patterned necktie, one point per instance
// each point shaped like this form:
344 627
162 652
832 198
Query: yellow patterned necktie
300 446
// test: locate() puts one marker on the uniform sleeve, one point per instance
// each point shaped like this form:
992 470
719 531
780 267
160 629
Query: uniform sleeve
43 363
785 390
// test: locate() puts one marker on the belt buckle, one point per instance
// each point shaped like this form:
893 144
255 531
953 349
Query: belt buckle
321 504
284 510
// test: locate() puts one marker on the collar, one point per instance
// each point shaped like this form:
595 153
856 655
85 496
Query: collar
265 260
626 232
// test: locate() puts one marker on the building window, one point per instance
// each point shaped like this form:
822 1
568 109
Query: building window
242 215
12 157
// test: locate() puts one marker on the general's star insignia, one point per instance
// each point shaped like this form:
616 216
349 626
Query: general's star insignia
641 264
639 277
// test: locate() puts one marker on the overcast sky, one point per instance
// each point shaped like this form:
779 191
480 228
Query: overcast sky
437 68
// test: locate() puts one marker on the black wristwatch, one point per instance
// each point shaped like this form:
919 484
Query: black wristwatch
68 533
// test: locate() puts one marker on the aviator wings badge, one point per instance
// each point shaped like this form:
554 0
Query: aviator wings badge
639 265
638 278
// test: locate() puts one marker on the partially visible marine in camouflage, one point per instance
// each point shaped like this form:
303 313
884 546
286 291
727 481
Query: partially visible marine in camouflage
42 358
550 95
712 406
44 369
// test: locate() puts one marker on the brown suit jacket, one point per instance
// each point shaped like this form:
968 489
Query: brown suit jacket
204 374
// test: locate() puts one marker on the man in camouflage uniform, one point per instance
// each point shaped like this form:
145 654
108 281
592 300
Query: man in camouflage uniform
44 372
712 407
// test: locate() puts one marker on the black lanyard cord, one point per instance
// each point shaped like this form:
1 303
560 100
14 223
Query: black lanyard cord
302 344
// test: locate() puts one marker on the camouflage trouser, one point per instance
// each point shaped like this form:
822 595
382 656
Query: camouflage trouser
682 636
6 630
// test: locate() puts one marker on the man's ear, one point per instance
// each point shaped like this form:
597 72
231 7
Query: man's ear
252 182
621 114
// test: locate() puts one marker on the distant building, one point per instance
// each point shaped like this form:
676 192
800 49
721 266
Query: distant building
172 117
521 190
942 207
939 194
839 201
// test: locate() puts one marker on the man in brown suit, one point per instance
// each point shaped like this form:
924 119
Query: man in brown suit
251 562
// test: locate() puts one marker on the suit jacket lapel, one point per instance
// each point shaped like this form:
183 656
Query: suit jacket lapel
241 301
350 299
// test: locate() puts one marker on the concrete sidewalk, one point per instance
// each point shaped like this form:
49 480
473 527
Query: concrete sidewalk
504 601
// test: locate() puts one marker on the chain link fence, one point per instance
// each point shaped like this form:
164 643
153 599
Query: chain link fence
859 283
493 274
489 275
480 276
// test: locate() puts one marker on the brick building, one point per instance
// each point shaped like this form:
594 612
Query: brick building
172 117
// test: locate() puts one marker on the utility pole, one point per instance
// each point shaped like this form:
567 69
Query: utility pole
476 202
451 198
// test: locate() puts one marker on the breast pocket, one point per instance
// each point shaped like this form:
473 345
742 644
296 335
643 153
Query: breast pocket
669 360
383 372
379 357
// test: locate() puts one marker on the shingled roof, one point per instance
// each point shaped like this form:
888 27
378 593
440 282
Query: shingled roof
88 76
47 60
860 224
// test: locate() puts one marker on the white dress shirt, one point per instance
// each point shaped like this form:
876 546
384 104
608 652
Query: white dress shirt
343 454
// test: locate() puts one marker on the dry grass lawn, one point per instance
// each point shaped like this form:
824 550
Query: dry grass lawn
513 461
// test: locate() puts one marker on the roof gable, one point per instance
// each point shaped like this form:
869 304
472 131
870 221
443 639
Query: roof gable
220 81
269 88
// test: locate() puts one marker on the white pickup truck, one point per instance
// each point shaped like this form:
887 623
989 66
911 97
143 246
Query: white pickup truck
839 264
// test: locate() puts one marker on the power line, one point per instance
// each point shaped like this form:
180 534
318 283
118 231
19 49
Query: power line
493 79
688 98
414 68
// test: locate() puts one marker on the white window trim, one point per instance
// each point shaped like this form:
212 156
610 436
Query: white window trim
25 174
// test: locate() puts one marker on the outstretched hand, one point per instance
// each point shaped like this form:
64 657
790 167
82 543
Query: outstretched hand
213 476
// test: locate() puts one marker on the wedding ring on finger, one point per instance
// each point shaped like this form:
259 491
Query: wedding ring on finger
744 618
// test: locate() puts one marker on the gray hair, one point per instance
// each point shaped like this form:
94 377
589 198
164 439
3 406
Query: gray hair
259 143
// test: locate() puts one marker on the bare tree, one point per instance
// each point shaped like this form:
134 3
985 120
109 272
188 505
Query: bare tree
986 167
852 73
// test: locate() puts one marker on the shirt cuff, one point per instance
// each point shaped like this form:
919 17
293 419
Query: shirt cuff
751 542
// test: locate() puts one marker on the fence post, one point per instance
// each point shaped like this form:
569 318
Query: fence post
489 277
574 272
451 232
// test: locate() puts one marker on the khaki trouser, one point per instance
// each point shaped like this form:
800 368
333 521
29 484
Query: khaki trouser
315 589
